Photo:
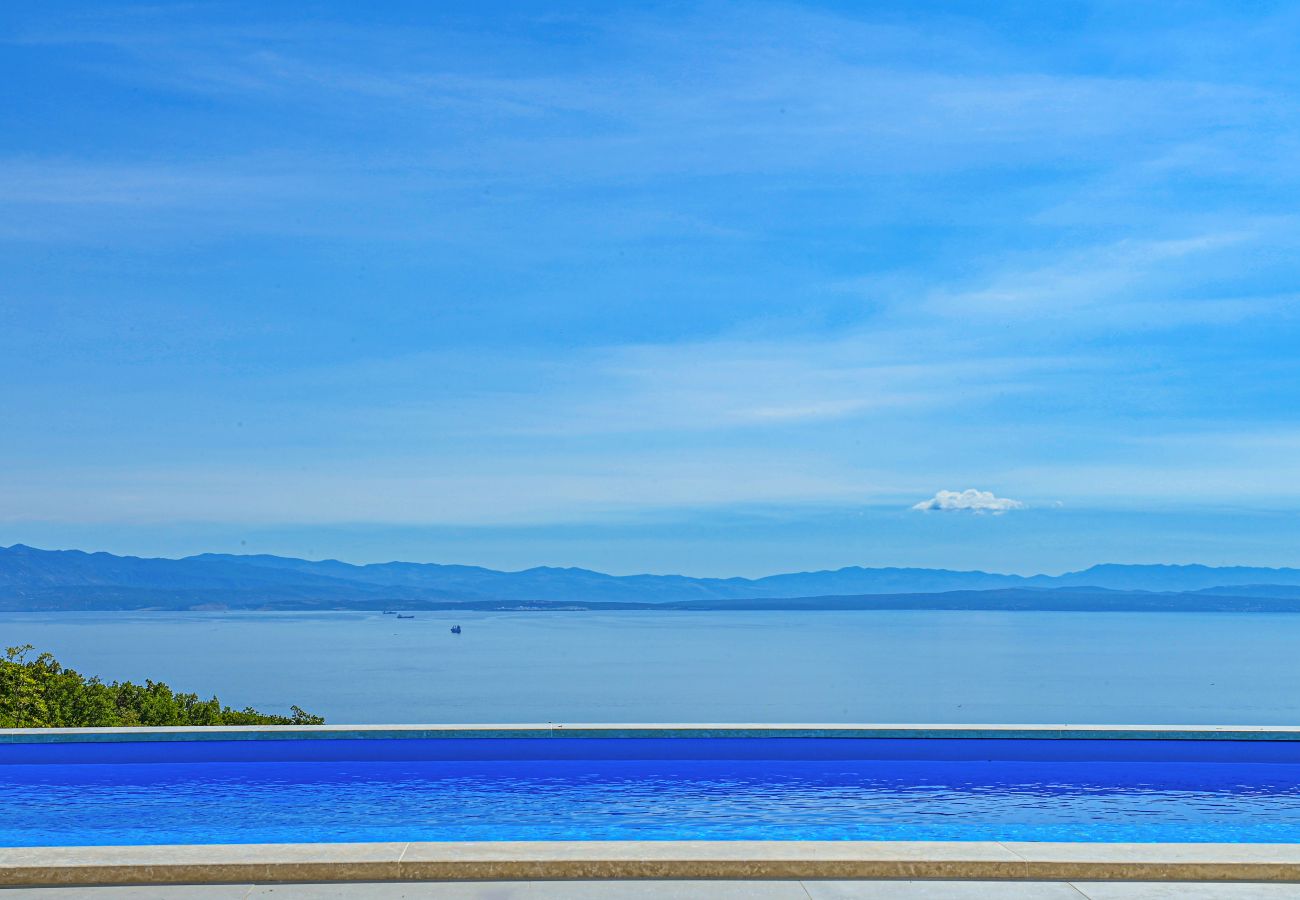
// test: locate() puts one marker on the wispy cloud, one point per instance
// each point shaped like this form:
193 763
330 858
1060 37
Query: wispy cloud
442 489
193 186
786 91
729 384
507 269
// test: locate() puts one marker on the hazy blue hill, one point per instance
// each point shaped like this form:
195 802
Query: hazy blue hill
1280 591
561 584
28 566
1167 577
72 579
879 581
541 583
1025 599
75 579
395 574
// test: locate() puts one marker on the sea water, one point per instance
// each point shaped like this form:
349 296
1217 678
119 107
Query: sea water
882 667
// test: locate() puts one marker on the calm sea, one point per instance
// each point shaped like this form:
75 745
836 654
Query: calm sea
900 666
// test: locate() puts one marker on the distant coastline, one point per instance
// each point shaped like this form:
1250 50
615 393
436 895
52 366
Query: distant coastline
968 601
34 580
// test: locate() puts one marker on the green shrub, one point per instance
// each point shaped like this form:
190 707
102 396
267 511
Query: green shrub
40 693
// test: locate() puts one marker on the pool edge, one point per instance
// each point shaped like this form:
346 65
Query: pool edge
581 860
638 730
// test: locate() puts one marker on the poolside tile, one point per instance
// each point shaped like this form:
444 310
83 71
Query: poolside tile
1185 890
198 854
709 859
724 850
1143 852
940 890
163 864
132 892
541 890
1160 862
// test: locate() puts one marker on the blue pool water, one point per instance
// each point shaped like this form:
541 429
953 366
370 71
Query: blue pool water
649 789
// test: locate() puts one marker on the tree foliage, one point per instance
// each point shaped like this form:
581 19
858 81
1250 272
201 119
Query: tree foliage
39 693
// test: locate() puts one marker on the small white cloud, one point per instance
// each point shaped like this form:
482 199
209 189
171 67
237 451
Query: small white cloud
969 500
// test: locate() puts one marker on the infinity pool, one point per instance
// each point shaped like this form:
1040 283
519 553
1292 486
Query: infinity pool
505 789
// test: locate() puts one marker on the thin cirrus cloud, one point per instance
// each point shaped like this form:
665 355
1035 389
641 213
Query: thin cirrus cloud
488 270
969 500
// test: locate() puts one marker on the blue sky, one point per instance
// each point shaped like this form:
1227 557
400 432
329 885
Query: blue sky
713 288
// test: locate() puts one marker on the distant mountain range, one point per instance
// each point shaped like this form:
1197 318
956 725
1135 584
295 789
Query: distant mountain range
32 579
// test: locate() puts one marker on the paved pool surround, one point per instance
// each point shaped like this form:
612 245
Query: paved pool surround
237 863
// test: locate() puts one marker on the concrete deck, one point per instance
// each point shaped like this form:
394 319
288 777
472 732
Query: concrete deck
681 890
674 860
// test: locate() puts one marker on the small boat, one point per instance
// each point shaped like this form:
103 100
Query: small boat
400 616
389 612
455 629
